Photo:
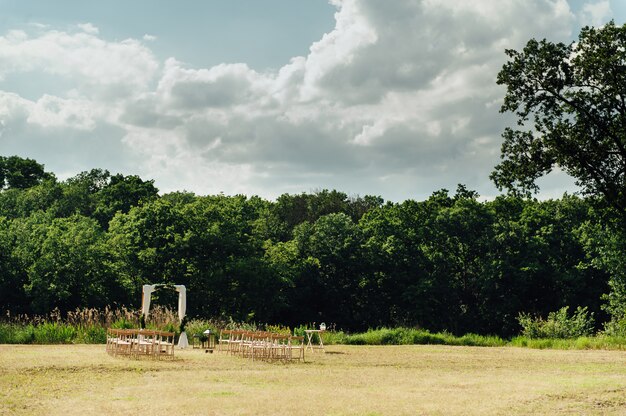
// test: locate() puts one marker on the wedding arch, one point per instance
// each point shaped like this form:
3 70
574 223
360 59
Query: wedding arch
182 306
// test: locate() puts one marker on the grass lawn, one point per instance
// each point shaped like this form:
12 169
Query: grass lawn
347 380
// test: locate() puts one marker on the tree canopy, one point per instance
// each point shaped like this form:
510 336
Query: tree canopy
570 104
20 173
449 262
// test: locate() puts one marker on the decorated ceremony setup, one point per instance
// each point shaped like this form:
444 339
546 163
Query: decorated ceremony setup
145 342
256 345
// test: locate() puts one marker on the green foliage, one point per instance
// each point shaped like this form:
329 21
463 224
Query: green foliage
123 323
568 100
569 103
601 342
54 333
278 329
449 263
299 331
615 327
50 333
198 326
90 335
13 333
408 336
558 324
334 337
605 245
20 173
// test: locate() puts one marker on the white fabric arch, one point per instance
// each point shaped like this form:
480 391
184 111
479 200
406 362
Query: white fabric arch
182 307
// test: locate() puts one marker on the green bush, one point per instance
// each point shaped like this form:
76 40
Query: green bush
615 328
410 336
16 333
334 337
123 323
198 326
54 333
299 331
6 333
91 335
558 324
599 342
278 329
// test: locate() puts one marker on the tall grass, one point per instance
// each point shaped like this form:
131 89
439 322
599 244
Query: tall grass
81 326
410 336
88 326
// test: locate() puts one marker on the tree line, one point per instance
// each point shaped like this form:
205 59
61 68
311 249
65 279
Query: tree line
450 262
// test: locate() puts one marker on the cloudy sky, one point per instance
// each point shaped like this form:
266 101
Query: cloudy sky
263 97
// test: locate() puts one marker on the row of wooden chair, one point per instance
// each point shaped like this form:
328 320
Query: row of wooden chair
258 345
140 342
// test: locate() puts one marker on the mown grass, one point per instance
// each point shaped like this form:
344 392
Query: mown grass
346 380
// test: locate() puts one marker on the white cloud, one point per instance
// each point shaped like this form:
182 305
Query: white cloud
83 57
166 157
595 13
399 100
13 106
89 28
221 86
50 111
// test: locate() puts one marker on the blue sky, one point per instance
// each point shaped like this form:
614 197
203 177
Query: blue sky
264 34
396 99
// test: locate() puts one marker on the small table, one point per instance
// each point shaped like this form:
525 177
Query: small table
309 336
203 341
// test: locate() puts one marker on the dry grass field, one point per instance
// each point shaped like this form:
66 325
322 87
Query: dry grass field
347 380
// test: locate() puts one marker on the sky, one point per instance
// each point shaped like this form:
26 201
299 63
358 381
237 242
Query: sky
265 97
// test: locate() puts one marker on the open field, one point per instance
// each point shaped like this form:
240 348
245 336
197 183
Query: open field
348 380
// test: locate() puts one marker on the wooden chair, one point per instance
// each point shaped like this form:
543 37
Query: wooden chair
278 348
295 344
146 343
124 342
236 344
164 345
257 346
224 339
111 340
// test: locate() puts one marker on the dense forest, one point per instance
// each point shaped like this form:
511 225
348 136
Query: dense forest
450 262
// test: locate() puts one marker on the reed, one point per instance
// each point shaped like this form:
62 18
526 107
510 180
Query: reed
80 326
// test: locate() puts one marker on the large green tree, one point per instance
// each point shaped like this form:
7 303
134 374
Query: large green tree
570 104
65 262
20 173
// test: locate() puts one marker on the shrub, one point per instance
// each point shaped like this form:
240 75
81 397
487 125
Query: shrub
615 328
410 336
558 324
299 332
54 333
278 329
334 337
122 323
11 333
198 326
91 335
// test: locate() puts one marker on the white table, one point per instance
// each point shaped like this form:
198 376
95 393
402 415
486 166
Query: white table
309 336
